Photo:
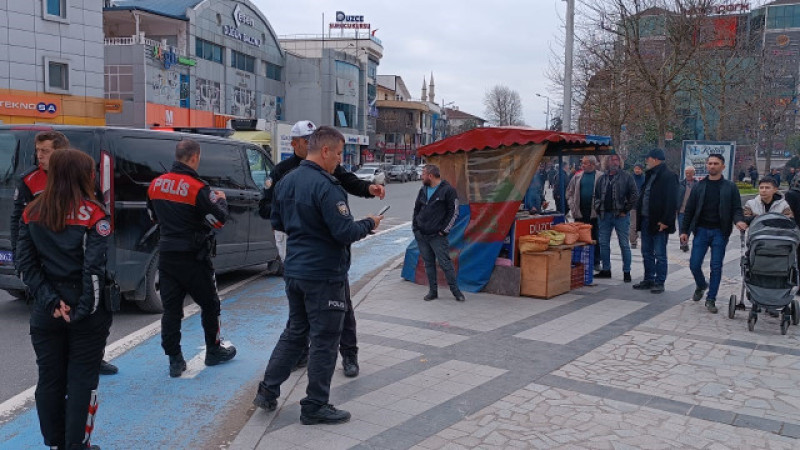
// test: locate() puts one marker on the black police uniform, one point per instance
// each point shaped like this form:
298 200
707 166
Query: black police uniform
311 208
70 266
188 213
348 346
31 183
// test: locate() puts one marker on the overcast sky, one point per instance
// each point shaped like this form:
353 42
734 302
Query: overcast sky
469 45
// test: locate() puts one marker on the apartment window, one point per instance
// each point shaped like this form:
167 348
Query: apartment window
243 62
54 10
56 75
344 115
119 82
208 50
273 71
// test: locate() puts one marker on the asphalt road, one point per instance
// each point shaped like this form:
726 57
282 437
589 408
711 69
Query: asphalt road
18 366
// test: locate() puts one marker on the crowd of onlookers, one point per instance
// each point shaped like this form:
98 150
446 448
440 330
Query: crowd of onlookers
650 202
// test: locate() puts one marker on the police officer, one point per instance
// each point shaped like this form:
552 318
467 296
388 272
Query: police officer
32 183
311 208
62 247
189 213
301 131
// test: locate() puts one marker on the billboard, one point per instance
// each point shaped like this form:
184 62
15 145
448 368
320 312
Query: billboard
695 154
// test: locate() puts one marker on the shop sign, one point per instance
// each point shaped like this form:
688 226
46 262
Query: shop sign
721 9
240 18
345 21
113 106
16 105
169 58
695 154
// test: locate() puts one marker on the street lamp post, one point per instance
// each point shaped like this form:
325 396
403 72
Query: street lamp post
547 113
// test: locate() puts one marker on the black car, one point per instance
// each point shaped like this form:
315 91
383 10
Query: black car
128 160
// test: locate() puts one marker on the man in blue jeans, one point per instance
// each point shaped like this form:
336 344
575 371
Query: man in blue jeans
656 209
614 197
714 206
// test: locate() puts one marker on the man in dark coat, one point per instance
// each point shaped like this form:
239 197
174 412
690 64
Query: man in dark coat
657 205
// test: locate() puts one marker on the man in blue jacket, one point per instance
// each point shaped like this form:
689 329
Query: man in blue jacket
435 213
311 207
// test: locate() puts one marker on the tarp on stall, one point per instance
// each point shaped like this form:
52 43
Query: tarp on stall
490 168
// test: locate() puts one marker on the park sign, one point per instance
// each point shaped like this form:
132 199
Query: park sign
695 154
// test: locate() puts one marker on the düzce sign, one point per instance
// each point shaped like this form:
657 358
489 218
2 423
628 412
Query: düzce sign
239 19
345 21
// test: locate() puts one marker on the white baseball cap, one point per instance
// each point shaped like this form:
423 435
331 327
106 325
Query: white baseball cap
303 128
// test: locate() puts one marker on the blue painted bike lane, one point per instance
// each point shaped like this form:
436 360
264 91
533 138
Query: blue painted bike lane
142 407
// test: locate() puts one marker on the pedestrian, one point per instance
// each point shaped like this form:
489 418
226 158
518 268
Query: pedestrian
188 213
580 196
684 191
792 197
534 201
741 176
776 175
615 196
301 132
638 177
753 172
311 207
768 200
790 177
32 183
656 209
561 174
61 248
713 208
435 213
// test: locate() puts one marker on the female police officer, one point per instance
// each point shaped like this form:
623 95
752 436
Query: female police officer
62 256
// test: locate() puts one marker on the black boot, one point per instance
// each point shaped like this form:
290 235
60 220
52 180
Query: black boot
265 400
106 368
603 274
219 354
432 294
350 365
177 365
459 296
325 414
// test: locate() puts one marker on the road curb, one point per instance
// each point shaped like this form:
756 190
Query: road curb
250 435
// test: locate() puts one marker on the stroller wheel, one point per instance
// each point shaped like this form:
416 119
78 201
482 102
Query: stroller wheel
784 325
732 307
795 308
751 321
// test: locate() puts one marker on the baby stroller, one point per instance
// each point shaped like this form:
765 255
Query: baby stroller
770 275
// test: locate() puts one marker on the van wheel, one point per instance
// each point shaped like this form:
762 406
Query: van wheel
152 300
18 294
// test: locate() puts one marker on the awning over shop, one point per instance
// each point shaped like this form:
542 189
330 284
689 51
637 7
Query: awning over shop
491 138
257 137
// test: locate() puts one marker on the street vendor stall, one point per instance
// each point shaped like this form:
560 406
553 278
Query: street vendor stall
491 169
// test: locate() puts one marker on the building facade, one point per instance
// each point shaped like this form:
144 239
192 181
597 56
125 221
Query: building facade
191 63
51 62
334 80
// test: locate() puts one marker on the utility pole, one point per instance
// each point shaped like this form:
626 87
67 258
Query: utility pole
568 48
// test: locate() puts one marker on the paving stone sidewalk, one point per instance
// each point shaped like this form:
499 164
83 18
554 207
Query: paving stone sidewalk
603 367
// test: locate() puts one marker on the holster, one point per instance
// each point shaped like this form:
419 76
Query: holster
112 295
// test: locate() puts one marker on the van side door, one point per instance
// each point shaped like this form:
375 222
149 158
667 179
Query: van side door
223 168
261 245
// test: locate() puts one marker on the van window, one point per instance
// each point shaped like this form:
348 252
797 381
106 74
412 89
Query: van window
259 166
221 165
8 150
138 161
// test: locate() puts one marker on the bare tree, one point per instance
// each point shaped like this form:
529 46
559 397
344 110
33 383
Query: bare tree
503 106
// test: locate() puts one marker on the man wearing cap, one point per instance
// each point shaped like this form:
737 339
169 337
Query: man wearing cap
301 132
656 209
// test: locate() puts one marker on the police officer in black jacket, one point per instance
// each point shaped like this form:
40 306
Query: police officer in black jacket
301 131
435 213
311 208
189 213
61 251
31 184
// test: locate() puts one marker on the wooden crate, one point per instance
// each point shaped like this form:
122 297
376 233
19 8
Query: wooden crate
546 274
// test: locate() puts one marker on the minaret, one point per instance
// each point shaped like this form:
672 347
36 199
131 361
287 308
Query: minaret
424 96
430 92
